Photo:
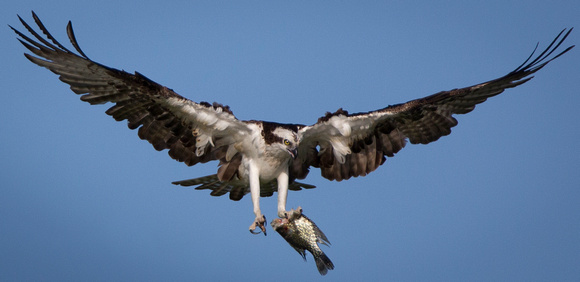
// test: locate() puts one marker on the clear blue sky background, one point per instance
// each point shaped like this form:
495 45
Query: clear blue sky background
83 198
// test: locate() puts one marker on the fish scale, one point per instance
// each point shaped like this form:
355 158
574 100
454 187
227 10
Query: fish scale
303 235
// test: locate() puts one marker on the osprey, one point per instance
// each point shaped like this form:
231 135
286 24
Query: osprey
260 157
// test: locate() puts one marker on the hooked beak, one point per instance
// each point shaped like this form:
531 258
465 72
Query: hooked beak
293 153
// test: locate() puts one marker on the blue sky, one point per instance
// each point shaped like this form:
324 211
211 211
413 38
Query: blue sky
83 198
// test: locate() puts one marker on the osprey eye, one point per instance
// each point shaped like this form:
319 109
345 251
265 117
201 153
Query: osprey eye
286 142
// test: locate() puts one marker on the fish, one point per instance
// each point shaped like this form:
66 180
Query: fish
302 234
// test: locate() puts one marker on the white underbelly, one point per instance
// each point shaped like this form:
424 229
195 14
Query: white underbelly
269 168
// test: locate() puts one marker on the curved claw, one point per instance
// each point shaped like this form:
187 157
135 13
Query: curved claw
283 214
253 230
292 214
259 222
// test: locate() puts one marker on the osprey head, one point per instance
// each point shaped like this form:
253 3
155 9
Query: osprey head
282 138
291 148
287 140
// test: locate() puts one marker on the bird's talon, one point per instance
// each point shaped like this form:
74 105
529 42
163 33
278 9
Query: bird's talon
253 230
284 214
259 222
298 210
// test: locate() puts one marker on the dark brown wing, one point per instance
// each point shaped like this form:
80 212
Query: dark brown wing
164 118
344 145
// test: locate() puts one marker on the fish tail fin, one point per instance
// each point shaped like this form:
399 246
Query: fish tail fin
323 263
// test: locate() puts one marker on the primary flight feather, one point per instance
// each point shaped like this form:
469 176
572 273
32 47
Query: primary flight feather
260 157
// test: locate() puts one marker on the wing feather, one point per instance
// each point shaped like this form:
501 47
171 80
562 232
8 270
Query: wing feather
373 136
342 145
164 118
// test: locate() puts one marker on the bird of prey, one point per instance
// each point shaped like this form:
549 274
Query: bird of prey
262 157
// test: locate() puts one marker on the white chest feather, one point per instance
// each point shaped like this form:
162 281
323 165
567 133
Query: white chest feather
268 160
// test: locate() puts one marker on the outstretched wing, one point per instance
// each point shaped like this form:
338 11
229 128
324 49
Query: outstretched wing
347 145
192 132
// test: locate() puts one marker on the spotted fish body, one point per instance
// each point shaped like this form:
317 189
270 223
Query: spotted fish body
302 234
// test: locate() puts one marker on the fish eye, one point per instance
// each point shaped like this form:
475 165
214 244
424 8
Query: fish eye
286 142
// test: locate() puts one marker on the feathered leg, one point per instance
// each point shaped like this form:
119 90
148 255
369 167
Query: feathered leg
282 194
255 193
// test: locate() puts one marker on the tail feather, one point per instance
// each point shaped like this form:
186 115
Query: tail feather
197 181
237 188
323 263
